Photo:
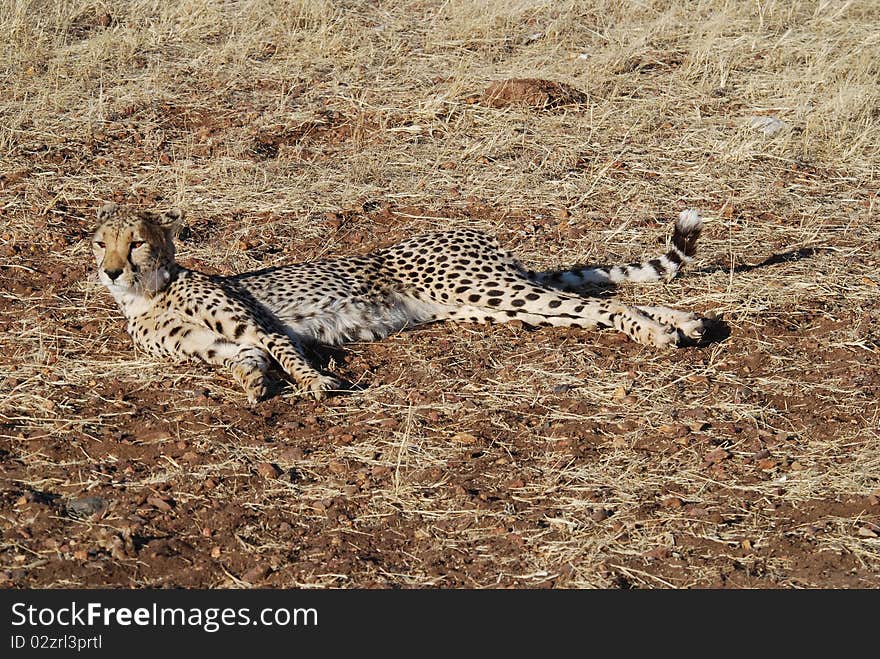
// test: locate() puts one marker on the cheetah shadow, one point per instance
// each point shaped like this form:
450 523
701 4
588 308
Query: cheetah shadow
718 331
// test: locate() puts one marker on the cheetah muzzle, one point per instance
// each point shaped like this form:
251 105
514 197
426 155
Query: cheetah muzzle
248 321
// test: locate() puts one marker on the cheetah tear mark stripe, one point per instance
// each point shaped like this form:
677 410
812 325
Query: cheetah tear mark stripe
684 245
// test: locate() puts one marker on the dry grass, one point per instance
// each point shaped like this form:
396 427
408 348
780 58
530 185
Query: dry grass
474 457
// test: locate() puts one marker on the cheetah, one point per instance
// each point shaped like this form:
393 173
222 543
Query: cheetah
245 322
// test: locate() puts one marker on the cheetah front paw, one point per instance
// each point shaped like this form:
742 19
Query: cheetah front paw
323 384
256 395
252 379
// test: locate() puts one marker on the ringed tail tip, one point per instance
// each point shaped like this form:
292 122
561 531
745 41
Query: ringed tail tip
689 221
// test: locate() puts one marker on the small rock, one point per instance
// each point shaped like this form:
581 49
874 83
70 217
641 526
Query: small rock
333 220
869 531
698 426
215 552
674 429
337 467
658 553
600 514
716 456
672 502
165 505
763 454
767 125
464 438
255 574
292 453
267 470
86 506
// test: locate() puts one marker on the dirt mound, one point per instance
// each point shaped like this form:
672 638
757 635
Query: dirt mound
537 93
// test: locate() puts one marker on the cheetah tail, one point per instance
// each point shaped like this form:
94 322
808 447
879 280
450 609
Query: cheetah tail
684 245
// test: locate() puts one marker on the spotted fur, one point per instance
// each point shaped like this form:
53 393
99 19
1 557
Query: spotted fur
246 321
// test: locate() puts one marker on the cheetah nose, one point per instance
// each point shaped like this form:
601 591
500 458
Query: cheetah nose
113 274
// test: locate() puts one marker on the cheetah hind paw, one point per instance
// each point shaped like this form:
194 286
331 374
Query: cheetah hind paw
664 336
693 329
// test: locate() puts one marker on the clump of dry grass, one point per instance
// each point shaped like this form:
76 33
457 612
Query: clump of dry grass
474 457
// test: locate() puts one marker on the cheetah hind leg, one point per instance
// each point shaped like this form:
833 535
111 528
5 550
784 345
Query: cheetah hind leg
631 321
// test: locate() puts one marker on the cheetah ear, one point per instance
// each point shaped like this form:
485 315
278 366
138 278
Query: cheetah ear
171 220
107 211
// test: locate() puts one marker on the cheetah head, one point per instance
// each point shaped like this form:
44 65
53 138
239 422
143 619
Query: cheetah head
135 250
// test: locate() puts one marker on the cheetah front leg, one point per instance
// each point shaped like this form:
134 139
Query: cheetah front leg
248 364
289 354
265 337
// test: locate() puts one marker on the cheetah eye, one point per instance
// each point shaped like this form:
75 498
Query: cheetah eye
137 243
100 244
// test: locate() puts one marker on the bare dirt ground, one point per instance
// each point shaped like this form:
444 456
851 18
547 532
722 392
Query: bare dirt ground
473 456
